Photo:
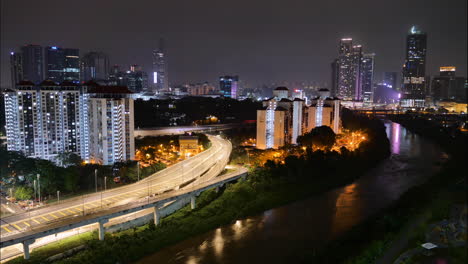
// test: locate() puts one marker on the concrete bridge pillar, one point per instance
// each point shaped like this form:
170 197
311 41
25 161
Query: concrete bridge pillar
156 216
101 228
192 202
26 248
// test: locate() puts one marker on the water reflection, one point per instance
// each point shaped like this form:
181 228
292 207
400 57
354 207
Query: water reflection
283 234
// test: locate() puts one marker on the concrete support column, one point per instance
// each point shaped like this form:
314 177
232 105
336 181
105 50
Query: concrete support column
26 248
156 216
192 202
217 189
101 228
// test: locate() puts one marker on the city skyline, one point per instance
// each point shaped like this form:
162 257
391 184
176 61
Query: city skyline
252 46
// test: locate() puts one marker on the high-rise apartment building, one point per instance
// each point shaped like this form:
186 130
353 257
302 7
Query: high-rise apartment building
414 69
33 63
160 73
228 86
282 118
94 66
16 67
45 120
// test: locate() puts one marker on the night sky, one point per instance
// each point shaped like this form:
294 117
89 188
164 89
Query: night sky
262 41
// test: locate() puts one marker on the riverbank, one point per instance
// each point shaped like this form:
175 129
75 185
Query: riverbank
381 238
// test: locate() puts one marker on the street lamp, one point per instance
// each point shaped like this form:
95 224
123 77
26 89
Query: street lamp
39 186
95 179
105 183
35 191
138 170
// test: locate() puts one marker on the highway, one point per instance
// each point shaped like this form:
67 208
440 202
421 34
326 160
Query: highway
189 172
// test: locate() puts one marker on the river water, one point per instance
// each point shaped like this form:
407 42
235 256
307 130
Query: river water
282 234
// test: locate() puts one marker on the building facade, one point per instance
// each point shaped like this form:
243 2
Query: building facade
45 120
367 77
94 66
228 86
33 63
282 118
16 67
160 69
414 69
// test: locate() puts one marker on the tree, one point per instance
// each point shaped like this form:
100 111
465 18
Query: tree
321 137
23 193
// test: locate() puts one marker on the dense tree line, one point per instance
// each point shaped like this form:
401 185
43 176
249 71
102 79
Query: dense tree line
185 111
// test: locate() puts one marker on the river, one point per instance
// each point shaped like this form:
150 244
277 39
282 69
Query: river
281 234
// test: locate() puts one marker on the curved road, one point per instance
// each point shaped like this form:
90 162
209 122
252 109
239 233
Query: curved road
196 169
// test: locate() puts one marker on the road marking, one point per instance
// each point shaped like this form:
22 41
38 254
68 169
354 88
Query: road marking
26 223
43 217
6 228
87 206
36 221
77 208
17 227
56 217
62 213
70 211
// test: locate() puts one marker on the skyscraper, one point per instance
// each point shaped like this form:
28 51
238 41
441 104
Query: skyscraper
16 67
414 69
94 66
228 86
335 69
33 63
390 79
447 86
54 61
348 78
367 76
160 74
71 66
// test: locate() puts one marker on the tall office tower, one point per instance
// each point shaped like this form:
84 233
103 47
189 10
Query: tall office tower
71 65
414 69
33 63
16 67
54 61
390 79
357 69
447 86
44 120
228 86
335 69
160 74
94 66
367 76
111 124
349 68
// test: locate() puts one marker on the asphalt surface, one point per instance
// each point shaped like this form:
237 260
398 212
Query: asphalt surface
194 170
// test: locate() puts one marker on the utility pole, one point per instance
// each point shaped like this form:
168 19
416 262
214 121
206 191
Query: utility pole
58 196
35 191
95 179
105 183
39 186
138 170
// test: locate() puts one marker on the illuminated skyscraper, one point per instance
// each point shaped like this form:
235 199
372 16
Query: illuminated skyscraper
160 74
229 86
71 65
414 69
390 79
54 62
33 63
367 76
348 71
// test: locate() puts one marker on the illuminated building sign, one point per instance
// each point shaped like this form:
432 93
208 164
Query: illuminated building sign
448 69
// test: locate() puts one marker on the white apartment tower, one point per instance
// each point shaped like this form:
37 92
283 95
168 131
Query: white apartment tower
46 120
